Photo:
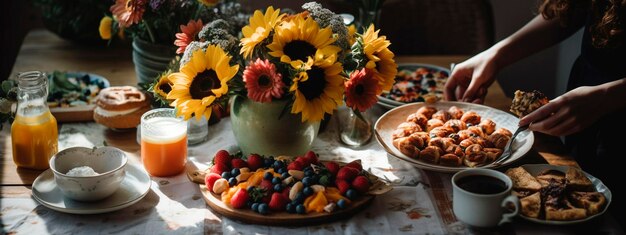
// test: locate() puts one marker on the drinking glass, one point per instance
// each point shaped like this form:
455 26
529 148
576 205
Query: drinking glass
163 142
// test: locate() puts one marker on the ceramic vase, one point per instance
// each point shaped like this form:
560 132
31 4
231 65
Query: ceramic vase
151 59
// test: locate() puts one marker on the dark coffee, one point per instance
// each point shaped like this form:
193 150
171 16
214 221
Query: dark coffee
481 184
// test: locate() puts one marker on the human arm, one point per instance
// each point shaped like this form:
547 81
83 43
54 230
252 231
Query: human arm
469 80
577 109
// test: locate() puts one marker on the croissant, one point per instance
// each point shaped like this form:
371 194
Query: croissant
430 154
442 143
488 126
455 124
426 111
499 140
417 139
456 150
433 123
471 117
419 119
455 112
503 131
440 132
492 153
474 155
450 160
477 131
456 139
441 115
476 140
406 129
406 146
465 134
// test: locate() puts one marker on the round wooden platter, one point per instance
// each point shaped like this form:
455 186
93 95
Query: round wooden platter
283 218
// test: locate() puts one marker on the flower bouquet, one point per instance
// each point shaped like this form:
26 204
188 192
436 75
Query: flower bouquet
308 62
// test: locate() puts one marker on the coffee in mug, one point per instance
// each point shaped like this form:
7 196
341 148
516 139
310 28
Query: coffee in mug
479 197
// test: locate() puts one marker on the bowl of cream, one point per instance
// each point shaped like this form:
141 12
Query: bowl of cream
89 174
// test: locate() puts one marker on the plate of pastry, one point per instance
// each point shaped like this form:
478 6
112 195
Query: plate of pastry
415 82
450 136
72 95
558 195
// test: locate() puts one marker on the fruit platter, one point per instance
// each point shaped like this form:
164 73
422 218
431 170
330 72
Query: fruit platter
285 190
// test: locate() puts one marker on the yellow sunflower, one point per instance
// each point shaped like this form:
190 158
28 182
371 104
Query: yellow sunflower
105 27
259 28
296 40
380 58
163 86
201 81
317 89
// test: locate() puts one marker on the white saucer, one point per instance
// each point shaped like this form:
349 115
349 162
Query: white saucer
134 187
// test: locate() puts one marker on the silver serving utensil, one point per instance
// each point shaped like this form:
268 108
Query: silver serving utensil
508 149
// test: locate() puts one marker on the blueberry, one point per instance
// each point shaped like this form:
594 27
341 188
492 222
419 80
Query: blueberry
276 180
300 209
342 204
255 207
235 172
285 174
281 170
351 194
278 164
308 191
226 175
278 188
308 173
263 209
314 179
267 162
307 181
308 168
299 198
268 176
290 208
232 181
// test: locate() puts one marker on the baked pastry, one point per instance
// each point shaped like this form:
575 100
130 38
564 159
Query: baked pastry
419 119
440 132
471 118
431 154
406 129
442 143
522 180
558 208
546 176
531 205
455 124
120 107
450 159
442 115
455 112
488 126
492 153
477 131
456 150
577 180
426 111
474 155
527 102
593 202
433 123
499 140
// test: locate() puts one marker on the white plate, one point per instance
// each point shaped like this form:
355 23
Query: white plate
389 121
536 169
134 187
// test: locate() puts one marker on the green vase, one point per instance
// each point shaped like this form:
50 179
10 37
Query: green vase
151 59
258 129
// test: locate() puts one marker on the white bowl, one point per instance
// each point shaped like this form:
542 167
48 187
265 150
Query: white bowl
109 162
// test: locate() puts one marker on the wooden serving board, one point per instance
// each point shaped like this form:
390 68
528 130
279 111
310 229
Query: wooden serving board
283 218
83 113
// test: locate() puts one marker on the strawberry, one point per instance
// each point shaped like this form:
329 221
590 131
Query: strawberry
267 185
347 173
311 157
219 168
238 163
303 161
295 166
332 167
343 186
361 184
255 162
285 192
210 179
355 164
240 199
278 202
223 157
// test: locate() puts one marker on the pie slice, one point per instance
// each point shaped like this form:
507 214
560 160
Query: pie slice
522 180
578 181
527 102
531 205
593 202
559 208
546 176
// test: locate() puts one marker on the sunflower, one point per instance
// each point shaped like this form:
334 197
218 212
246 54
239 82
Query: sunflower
188 35
351 34
317 89
105 27
201 81
128 12
163 86
259 28
361 90
379 58
296 40
263 81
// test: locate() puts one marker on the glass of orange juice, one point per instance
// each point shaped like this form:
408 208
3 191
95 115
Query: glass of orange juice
163 142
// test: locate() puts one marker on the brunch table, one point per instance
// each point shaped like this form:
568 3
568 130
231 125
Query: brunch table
420 202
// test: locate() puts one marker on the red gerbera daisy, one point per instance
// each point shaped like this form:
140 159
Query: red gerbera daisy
189 33
262 81
361 90
128 12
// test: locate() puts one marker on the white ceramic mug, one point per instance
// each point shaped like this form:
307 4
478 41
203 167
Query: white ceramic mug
483 210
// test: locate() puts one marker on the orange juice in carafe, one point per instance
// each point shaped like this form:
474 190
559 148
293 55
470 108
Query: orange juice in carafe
34 133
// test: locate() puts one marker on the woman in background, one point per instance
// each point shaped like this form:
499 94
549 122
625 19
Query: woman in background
591 112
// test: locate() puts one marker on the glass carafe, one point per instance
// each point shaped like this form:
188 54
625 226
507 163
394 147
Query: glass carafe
34 133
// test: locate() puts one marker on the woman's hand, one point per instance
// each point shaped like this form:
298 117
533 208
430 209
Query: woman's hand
570 112
469 80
